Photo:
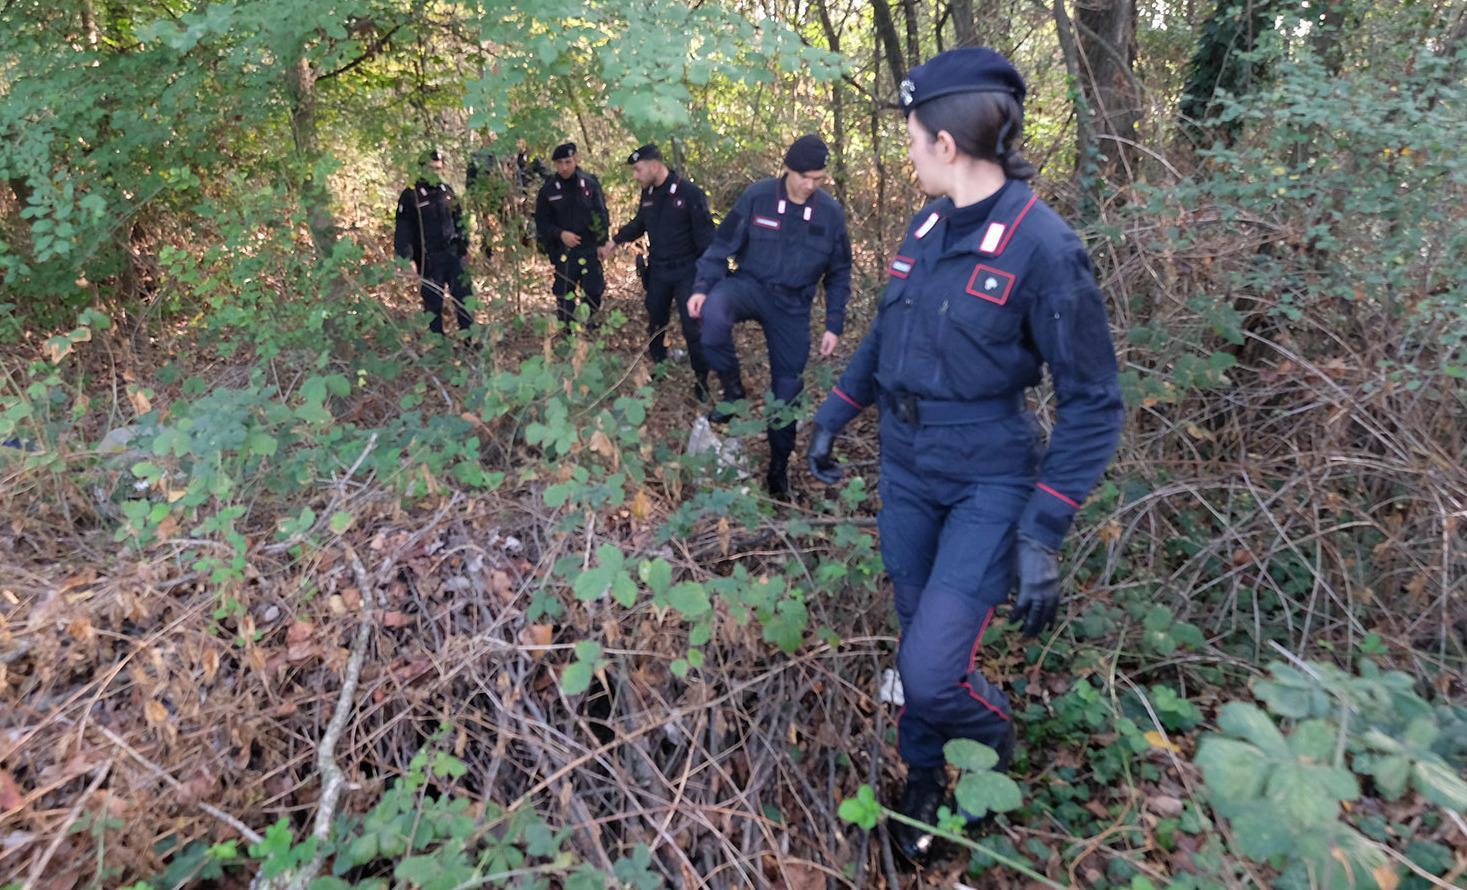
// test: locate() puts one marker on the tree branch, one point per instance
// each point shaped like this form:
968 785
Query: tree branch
375 47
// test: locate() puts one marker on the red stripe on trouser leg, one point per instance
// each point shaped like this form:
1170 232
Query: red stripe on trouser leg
852 402
972 660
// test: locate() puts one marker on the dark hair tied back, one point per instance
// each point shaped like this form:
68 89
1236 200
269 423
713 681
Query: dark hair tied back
983 125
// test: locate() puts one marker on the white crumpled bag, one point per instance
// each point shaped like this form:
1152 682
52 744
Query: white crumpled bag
702 439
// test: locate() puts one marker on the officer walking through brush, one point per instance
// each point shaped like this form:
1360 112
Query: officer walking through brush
787 236
988 285
486 187
571 222
430 232
673 214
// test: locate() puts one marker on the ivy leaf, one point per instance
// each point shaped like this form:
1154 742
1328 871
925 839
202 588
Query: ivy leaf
341 521
970 755
981 793
1439 784
690 599
1235 771
576 678
862 810
657 575
1247 721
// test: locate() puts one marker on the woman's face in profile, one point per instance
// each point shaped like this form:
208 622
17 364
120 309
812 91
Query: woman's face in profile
932 170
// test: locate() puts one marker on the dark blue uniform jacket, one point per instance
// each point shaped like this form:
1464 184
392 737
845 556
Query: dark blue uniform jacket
674 216
429 221
571 205
786 247
974 322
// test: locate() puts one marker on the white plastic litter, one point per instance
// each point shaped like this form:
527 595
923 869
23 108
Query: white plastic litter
891 688
702 440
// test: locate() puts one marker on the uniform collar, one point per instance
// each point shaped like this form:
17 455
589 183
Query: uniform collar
669 185
783 203
991 238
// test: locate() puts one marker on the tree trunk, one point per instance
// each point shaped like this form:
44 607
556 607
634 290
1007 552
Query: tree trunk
305 130
876 144
963 25
887 39
1218 64
914 42
1106 40
1084 137
838 140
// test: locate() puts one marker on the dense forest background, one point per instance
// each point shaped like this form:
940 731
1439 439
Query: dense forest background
294 594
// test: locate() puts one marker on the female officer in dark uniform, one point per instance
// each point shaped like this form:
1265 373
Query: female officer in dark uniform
988 285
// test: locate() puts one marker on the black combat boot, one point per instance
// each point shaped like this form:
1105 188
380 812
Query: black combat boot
778 477
733 391
925 791
701 392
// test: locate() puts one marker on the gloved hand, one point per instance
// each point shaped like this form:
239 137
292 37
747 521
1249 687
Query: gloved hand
1039 592
822 465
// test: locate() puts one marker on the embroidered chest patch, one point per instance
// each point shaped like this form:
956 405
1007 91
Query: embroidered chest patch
993 285
901 267
766 222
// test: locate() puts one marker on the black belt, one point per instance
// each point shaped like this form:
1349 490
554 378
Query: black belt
910 409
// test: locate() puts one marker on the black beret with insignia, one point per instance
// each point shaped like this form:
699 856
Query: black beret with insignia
563 151
648 152
969 69
807 153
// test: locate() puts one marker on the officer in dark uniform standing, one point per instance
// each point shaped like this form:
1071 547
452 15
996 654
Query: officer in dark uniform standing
673 214
988 286
430 232
787 236
486 188
571 222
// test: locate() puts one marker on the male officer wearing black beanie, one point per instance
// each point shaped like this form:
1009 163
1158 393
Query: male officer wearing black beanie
673 214
787 236
571 222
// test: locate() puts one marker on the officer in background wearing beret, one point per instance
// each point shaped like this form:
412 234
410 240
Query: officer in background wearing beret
571 222
673 214
787 236
988 286
430 231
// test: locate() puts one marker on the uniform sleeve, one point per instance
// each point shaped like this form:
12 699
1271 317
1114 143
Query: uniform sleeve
701 220
545 228
600 216
857 386
460 228
727 241
405 238
1067 322
838 281
634 229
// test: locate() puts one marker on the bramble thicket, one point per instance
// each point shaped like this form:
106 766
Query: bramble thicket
294 594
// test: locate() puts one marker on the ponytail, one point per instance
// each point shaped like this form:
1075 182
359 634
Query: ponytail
984 125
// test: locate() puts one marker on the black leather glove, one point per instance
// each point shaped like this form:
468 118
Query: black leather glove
822 465
1039 593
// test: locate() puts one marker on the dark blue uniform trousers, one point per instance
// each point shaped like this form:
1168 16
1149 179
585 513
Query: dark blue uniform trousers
444 271
581 267
951 500
666 285
785 320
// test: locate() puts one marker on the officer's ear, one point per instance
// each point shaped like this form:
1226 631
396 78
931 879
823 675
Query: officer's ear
946 146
